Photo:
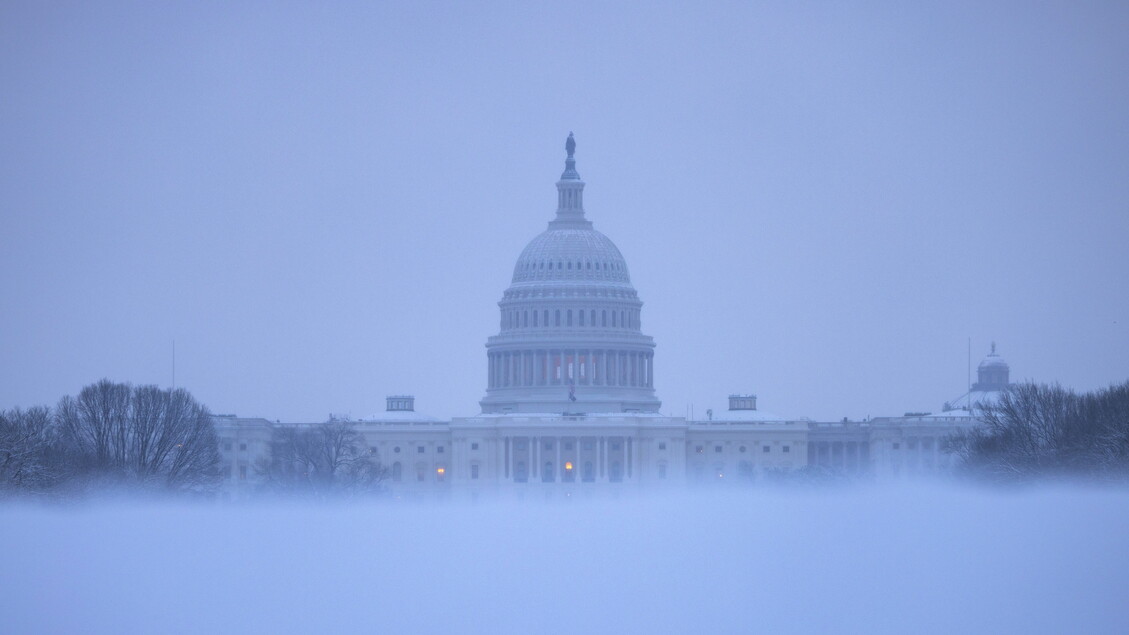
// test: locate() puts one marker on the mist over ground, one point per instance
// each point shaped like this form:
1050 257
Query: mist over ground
926 558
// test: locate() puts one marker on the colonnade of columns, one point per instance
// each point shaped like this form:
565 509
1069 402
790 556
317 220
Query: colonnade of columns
571 367
569 459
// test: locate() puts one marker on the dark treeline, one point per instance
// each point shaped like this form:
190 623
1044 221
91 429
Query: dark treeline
111 436
1037 431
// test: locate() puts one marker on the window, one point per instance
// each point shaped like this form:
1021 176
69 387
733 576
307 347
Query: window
587 444
547 475
897 445
787 448
568 316
397 472
589 473
520 474
525 318
396 449
741 449
767 449
419 449
615 446
535 318
662 470
243 472
227 446
662 445
699 450
558 318
242 447
474 446
474 471
548 445
420 473
615 472
568 445
439 449
580 316
717 448
604 318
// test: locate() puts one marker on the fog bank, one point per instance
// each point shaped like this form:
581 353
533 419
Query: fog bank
848 560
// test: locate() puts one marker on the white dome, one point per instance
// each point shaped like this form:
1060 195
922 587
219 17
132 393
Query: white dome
571 255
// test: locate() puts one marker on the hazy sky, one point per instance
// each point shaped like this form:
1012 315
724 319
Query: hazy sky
322 204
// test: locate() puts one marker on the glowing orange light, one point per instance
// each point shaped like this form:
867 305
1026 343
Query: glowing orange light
441 470
568 465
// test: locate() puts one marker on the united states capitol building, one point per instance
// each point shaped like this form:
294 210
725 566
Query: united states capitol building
570 405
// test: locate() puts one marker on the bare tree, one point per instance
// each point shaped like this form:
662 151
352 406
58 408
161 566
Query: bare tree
1038 430
324 461
27 451
141 436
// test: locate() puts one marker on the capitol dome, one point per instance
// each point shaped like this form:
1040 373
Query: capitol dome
570 340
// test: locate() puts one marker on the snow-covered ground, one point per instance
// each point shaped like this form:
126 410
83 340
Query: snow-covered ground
907 560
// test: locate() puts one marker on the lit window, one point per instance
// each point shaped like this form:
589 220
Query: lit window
440 472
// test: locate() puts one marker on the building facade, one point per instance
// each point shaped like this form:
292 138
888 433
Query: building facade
571 410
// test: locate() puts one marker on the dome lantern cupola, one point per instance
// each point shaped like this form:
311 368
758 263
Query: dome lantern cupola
992 373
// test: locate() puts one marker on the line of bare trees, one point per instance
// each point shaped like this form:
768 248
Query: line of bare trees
1036 431
111 435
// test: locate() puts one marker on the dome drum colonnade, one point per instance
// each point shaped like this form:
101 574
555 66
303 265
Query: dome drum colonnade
570 336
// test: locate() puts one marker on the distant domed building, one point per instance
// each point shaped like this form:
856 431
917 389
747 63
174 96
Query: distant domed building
570 405
570 338
992 378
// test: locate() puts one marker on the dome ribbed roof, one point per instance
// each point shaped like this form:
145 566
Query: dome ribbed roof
572 255
993 360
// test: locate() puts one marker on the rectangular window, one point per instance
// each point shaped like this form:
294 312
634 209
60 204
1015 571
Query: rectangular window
474 446
439 449
717 448
662 445
787 448
474 471
419 449
243 472
242 447
227 446
897 445
767 449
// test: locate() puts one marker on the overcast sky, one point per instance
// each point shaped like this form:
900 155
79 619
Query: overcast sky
819 203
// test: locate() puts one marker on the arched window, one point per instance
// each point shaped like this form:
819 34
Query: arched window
615 472
613 318
535 318
570 264
520 474
589 264
593 320
525 319
547 475
550 264
568 317
558 318
546 320
589 473
580 315
604 317
397 472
